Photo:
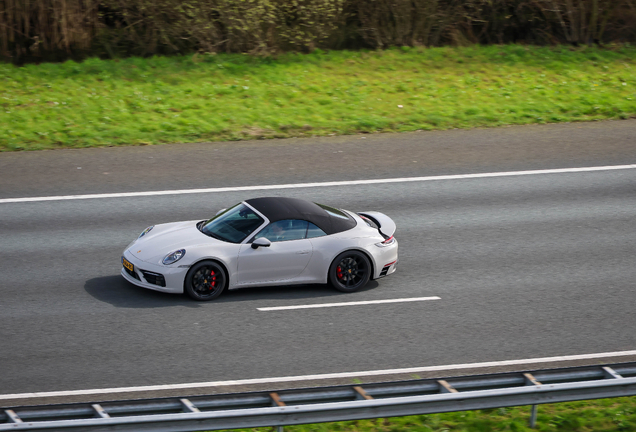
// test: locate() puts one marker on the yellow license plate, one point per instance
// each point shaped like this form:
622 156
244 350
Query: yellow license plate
127 264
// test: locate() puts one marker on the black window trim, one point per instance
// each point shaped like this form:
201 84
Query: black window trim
250 238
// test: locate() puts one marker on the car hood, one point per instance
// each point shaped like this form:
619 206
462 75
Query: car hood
167 238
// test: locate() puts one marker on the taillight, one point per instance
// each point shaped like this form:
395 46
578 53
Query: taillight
387 242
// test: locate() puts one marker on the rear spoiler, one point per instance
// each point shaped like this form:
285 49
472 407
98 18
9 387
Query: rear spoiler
385 224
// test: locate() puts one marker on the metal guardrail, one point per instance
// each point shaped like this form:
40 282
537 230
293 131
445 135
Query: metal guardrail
328 404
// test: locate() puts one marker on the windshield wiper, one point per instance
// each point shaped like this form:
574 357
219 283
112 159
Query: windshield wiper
216 236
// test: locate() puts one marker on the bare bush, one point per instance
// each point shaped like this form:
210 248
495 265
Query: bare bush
46 27
58 29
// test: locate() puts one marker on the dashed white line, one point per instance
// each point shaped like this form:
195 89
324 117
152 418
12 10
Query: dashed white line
313 185
356 303
411 370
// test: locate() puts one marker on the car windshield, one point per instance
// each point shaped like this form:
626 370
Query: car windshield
233 225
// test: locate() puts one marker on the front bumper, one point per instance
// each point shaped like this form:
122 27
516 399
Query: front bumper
148 275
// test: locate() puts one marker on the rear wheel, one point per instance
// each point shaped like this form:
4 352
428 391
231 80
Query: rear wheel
350 271
205 281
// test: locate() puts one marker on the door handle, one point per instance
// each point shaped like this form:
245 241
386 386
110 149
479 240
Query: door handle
304 252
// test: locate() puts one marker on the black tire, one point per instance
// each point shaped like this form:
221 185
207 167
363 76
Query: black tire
350 271
205 281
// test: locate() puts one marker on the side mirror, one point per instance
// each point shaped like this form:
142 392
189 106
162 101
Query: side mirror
220 211
261 242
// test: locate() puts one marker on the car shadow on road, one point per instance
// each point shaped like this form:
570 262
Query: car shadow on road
295 292
121 293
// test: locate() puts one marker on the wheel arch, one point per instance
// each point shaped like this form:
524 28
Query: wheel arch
215 260
357 249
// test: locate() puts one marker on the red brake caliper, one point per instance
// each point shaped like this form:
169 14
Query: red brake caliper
339 272
213 277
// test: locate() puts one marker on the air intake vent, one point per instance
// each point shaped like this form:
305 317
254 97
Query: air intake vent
154 278
132 273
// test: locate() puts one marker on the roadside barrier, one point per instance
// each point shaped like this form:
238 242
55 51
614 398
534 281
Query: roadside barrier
329 404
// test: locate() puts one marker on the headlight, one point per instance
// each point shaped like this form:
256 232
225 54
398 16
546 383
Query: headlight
146 231
173 257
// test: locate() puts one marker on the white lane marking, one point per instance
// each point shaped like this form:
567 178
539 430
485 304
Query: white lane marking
316 377
357 303
321 184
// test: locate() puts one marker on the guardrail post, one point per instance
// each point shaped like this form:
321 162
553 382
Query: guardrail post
611 373
531 380
13 417
101 412
533 417
277 402
445 387
361 394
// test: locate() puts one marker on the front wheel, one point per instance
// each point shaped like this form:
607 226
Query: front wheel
350 271
205 281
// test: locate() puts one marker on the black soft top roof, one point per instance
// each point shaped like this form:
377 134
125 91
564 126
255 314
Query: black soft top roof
279 208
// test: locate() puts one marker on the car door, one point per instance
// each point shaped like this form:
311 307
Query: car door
284 260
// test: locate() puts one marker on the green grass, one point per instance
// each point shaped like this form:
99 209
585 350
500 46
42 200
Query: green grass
606 415
232 97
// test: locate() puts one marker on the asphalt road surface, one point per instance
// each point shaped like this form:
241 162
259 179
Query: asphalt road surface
525 266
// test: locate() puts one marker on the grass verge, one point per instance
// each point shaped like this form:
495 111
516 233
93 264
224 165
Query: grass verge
232 97
603 415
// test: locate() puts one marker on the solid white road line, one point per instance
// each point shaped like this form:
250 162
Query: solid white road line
321 184
316 377
357 303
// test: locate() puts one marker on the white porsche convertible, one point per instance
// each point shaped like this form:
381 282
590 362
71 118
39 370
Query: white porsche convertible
260 242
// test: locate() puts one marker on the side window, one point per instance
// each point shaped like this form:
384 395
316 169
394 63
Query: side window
314 231
284 230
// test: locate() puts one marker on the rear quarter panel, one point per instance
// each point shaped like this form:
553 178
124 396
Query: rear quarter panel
329 247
